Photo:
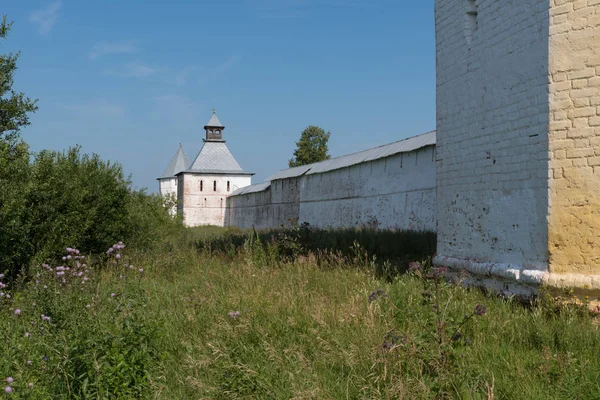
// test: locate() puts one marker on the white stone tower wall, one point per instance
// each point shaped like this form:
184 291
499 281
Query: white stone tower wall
206 206
492 131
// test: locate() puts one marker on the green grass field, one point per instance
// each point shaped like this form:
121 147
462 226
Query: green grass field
247 324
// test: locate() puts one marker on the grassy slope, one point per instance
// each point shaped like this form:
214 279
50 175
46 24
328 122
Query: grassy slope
303 332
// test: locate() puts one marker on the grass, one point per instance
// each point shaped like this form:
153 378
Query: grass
316 327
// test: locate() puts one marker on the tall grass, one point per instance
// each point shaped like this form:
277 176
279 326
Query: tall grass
205 324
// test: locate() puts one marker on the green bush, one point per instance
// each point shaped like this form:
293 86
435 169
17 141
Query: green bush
68 198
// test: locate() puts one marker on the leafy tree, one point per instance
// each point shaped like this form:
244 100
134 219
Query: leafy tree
14 106
312 147
15 245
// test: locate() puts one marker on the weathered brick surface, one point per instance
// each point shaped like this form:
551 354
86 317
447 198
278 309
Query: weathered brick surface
574 76
492 130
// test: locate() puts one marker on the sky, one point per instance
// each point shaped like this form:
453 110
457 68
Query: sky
131 79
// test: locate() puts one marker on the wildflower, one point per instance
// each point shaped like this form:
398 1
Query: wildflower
8 390
1 294
30 385
45 318
69 257
414 266
376 294
479 309
1 276
112 295
27 334
28 362
8 296
117 256
141 270
110 250
121 277
18 311
87 306
64 258
45 358
85 278
233 314
9 379
131 267
60 273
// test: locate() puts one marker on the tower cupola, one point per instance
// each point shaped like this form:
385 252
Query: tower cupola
214 129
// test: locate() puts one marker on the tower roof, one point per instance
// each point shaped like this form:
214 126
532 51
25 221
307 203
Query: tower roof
214 121
215 158
180 162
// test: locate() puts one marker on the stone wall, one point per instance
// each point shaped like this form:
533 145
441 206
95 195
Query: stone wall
168 187
395 192
200 203
492 136
574 76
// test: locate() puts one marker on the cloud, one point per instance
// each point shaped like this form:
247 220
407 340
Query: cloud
210 75
183 75
99 107
178 112
45 18
106 48
134 70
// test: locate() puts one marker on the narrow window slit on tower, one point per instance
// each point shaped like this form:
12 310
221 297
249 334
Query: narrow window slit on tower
215 186
228 186
201 185
471 20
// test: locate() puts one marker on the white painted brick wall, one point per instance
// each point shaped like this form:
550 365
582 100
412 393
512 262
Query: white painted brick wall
396 192
492 131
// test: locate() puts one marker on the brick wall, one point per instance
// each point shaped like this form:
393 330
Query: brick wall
492 131
574 76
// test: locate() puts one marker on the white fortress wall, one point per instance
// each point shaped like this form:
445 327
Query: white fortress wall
388 189
201 204
395 192
492 135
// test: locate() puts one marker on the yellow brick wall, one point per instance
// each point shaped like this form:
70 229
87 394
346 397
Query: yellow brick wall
574 137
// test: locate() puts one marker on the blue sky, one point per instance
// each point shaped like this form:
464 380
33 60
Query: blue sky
131 79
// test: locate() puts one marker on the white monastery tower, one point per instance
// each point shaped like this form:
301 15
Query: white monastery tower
167 183
203 187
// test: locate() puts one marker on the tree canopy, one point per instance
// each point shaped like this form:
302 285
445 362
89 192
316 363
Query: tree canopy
14 106
312 147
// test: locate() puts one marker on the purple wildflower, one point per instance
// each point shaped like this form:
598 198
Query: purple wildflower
414 266
480 309
9 379
141 270
18 311
7 390
112 295
233 314
110 250
27 334
117 256
28 362
376 294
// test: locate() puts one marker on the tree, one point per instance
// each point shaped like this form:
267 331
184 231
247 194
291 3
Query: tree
14 106
14 165
312 147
